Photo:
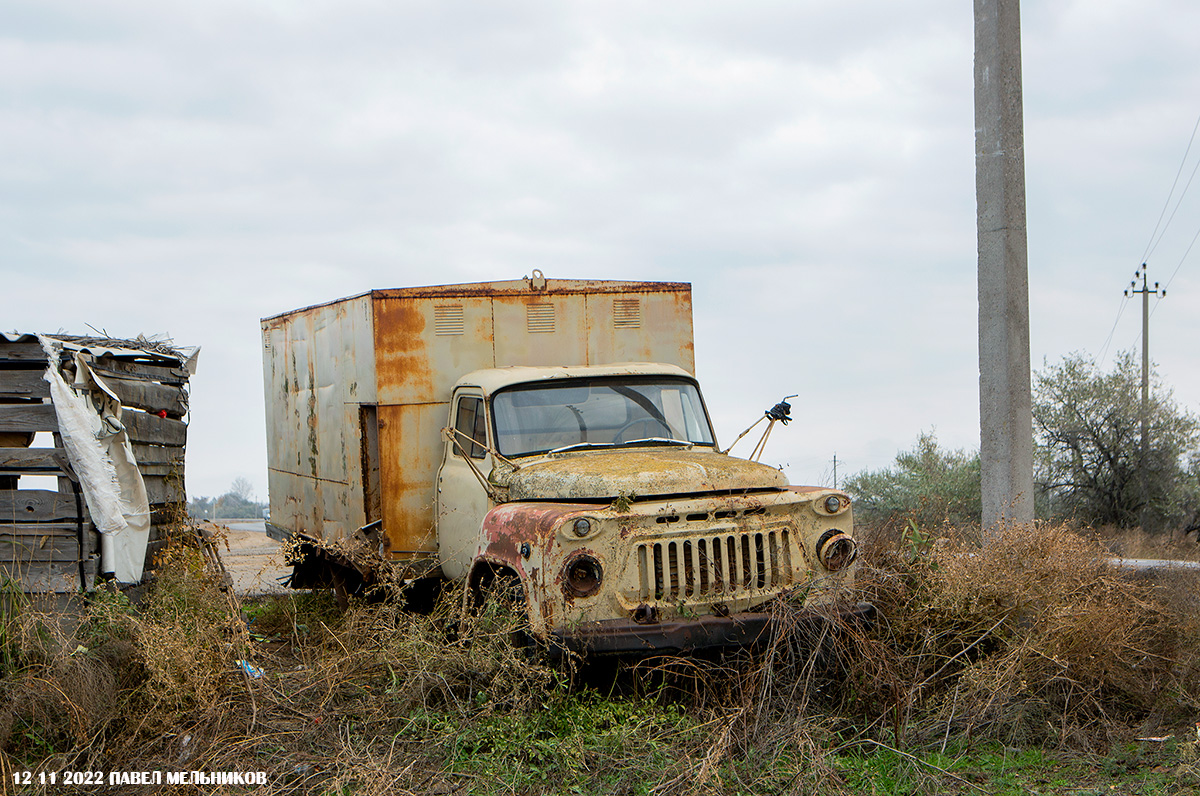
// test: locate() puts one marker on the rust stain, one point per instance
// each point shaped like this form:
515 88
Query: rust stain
555 287
401 349
507 526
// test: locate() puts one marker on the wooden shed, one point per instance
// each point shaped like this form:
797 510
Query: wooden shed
48 540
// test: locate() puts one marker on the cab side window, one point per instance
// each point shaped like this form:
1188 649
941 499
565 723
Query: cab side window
471 421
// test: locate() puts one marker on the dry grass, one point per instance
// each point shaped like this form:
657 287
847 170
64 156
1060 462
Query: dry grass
1032 640
1035 638
1135 543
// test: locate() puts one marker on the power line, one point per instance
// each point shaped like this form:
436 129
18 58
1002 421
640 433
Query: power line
1152 243
1178 202
1181 259
1107 340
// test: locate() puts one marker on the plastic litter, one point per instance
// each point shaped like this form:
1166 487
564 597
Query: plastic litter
250 669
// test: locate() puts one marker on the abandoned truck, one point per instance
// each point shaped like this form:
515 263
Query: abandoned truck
548 434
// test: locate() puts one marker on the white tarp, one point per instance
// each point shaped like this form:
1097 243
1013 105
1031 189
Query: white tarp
89 421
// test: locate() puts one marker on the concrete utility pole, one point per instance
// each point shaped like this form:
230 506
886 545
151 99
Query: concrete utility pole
1145 464
1005 409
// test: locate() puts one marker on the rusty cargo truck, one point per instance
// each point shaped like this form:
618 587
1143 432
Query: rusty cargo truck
548 433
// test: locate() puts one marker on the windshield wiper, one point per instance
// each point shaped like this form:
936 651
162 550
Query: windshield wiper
578 445
642 441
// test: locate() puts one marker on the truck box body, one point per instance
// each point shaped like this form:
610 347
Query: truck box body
358 390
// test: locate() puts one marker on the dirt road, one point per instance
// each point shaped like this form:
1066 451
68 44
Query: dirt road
252 558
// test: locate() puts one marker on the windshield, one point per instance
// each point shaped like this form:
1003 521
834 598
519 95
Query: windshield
535 418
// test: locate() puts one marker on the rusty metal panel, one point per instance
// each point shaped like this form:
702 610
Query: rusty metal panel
318 367
411 449
422 345
539 328
650 326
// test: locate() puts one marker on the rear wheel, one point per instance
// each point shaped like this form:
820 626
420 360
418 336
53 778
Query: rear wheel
421 595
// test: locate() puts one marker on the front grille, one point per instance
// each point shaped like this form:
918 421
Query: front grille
713 567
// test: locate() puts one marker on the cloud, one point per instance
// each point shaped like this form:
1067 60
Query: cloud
807 166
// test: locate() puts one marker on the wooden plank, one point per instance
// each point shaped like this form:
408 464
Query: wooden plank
107 366
42 529
23 384
152 429
39 548
22 352
35 505
164 489
159 454
149 395
28 417
150 468
33 460
159 460
49 577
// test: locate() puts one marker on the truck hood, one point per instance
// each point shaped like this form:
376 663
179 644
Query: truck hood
641 471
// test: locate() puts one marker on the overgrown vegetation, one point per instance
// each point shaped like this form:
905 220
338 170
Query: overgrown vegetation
1031 664
928 486
1088 460
1087 424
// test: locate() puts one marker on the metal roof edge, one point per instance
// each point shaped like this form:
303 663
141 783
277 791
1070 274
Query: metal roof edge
318 305
554 287
557 287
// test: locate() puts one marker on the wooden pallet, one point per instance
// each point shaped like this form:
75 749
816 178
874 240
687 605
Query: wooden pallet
47 540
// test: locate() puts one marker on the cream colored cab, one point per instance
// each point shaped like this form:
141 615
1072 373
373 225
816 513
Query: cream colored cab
601 491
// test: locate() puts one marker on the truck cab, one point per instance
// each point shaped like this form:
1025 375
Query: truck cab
602 493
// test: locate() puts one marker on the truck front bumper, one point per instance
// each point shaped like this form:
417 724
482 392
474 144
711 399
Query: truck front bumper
737 630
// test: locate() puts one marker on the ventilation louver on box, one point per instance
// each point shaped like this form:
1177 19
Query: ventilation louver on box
539 318
627 313
448 320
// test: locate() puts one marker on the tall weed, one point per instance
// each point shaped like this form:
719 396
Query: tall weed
1035 637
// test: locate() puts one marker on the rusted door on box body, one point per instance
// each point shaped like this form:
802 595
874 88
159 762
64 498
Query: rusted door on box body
410 452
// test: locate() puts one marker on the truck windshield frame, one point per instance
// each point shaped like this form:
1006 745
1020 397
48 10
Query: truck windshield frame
539 417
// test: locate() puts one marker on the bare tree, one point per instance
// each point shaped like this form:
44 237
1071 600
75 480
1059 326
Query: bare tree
243 489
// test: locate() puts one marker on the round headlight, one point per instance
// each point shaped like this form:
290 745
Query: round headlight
836 550
833 504
582 528
582 576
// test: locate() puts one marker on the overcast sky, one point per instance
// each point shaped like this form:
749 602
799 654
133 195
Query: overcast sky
189 168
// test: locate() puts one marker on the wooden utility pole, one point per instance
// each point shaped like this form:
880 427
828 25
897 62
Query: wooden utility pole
1005 413
1146 292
